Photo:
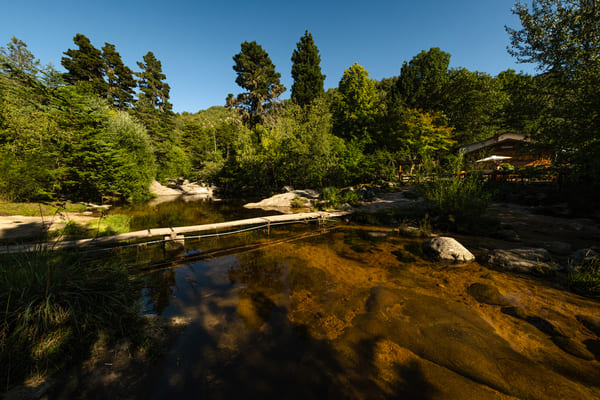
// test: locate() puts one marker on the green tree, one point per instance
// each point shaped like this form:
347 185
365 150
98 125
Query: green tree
472 102
16 53
563 39
120 79
85 65
256 74
306 71
154 92
561 36
423 79
356 106
526 101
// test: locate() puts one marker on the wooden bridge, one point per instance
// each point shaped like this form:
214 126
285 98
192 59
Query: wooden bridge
178 233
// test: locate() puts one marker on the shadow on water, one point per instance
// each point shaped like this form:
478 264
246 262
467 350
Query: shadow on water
241 341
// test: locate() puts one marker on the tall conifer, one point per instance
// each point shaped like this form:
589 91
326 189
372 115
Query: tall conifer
85 64
256 73
119 78
306 71
153 90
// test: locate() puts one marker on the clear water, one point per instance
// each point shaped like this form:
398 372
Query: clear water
311 313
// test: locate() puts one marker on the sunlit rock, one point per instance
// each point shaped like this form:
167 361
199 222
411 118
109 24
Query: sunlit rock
447 249
534 261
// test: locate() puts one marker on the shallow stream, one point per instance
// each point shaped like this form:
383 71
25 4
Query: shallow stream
351 312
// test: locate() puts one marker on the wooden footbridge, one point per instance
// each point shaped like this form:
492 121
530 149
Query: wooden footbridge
179 233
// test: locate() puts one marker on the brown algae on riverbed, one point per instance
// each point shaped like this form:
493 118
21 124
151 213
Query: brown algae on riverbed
353 315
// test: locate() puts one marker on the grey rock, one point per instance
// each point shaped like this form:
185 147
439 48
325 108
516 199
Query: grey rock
536 261
447 249
558 248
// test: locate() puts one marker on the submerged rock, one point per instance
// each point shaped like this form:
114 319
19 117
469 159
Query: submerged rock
450 335
488 294
573 347
447 249
592 323
534 261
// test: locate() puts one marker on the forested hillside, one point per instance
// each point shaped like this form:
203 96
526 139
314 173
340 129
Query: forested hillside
103 129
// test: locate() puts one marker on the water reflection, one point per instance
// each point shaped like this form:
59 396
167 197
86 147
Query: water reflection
357 314
180 211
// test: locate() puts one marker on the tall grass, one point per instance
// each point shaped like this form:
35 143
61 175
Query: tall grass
53 304
455 202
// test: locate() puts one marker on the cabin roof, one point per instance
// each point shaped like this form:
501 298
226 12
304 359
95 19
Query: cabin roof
504 137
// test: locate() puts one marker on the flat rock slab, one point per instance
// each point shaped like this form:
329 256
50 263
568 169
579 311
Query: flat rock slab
447 249
536 261
451 336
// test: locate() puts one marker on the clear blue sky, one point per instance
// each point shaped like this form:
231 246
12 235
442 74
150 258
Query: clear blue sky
196 40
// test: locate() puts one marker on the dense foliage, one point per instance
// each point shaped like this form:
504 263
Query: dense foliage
102 129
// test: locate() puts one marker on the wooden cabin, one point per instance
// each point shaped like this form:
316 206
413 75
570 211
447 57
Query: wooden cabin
517 146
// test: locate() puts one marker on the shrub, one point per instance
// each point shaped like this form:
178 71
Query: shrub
586 279
455 202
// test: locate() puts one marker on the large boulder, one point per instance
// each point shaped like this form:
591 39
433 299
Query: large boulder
284 200
159 190
447 249
536 261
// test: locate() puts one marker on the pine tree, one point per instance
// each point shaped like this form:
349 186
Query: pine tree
256 73
306 71
154 92
17 54
120 78
85 64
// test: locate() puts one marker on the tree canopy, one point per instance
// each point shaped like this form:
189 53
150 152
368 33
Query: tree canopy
423 79
356 107
16 52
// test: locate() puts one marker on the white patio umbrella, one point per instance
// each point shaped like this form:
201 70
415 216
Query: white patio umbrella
494 158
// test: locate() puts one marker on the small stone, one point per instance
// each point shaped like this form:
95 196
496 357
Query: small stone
517 312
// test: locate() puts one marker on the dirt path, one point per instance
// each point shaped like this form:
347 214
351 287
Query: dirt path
18 227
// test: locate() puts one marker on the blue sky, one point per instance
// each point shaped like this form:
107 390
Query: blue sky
196 40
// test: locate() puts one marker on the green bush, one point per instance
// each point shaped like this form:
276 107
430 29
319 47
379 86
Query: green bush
455 202
53 304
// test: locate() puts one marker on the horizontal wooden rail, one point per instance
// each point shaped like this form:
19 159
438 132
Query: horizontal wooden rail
175 233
